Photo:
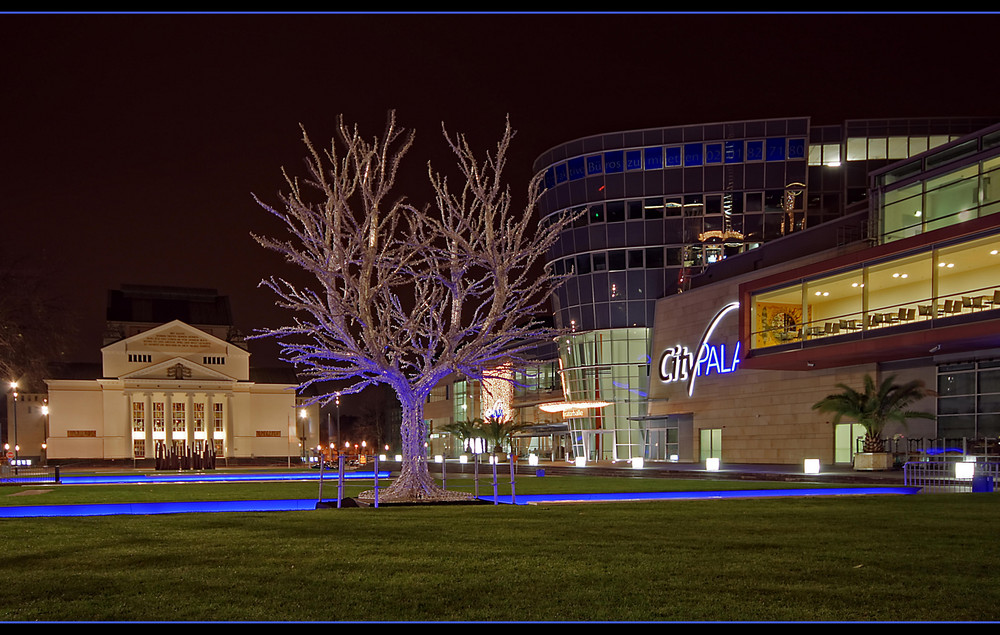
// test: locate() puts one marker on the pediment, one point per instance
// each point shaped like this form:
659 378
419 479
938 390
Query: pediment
176 337
178 369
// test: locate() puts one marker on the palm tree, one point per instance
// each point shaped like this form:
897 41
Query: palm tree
875 407
499 432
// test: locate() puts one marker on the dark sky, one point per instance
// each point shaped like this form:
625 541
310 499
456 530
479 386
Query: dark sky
133 142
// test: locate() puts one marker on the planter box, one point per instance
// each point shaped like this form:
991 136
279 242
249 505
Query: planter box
872 461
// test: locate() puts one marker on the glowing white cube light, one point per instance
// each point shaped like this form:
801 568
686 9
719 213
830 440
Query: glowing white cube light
532 459
637 462
581 461
438 458
674 458
463 458
964 470
381 457
811 466
399 457
712 464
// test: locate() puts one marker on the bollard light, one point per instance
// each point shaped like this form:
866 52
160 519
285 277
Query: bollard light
463 458
674 458
638 462
438 458
399 457
581 461
811 466
532 459
964 470
712 464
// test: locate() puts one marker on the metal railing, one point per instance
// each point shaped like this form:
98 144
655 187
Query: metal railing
19 475
951 476
943 448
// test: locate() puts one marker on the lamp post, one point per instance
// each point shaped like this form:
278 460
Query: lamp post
337 401
13 389
304 431
45 432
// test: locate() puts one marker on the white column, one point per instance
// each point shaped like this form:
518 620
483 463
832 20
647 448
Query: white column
189 420
148 427
129 415
210 419
168 419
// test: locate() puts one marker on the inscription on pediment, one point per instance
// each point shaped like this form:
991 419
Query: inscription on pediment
176 340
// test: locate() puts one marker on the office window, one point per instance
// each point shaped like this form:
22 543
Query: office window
594 165
713 153
633 160
614 162
968 403
693 154
796 148
654 158
561 174
733 151
776 149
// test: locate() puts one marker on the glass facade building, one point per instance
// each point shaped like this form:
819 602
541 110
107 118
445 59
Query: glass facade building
655 207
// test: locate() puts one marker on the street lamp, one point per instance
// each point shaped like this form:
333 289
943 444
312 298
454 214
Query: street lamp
337 401
303 430
13 388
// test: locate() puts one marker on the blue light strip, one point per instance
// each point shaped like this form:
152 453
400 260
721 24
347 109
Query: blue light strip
535 499
202 507
142 509
145 479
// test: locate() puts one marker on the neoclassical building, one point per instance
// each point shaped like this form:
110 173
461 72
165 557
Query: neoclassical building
177 386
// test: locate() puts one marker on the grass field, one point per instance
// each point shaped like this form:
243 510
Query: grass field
924 557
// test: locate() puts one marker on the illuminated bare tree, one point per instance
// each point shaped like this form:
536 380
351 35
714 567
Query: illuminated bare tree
404 296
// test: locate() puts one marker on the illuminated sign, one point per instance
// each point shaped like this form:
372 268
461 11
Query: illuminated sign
680 364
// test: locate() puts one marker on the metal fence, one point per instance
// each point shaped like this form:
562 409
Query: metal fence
20 475
952 476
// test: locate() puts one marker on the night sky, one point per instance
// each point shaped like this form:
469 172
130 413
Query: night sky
133 143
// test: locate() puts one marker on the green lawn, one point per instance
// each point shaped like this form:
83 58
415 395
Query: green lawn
925 557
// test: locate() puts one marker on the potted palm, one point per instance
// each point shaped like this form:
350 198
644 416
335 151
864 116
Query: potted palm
498 432
873 408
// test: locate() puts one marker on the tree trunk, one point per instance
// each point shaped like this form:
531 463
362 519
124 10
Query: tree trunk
873 443
415 483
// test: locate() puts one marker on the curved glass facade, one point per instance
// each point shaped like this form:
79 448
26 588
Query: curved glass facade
655 207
